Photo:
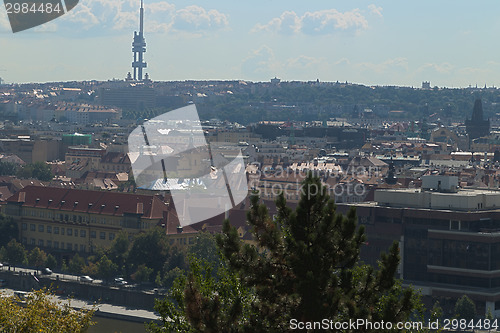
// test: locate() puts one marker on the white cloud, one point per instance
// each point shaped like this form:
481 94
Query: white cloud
196 18
46 27
343 61
305 62
260 63
443 68
4 22
375 10
288 23
82 15
159 7
313 23
385 66
161 16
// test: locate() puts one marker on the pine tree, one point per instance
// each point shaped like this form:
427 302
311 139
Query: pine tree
310 268
305 267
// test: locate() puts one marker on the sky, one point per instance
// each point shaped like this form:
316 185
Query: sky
449 43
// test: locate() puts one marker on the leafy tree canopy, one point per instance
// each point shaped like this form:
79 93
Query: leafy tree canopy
41 313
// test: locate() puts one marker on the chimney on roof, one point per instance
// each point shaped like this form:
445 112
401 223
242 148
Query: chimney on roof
179 229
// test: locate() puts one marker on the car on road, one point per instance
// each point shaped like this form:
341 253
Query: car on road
86 278
119 282
46 271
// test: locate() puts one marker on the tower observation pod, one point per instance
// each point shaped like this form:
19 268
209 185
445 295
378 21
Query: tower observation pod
139 48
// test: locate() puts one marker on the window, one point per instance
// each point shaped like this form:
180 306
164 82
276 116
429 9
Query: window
79 219
42 214
49 229
33 213
32 227
75 248
32 241
111 236
70 232
102 235
56 245
66 217
61 217
69 246
76 233
82 248
83 233
40 228
92 234
74 218
62 231
49 243
25 240
25 226
56 231
40 242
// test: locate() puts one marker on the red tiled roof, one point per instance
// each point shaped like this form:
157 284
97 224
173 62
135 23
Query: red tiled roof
96 202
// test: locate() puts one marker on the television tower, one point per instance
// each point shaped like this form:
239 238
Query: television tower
139 48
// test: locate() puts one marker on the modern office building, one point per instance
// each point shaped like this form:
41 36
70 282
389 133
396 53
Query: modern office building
449 237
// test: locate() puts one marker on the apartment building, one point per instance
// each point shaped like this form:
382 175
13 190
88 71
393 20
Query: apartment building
68 220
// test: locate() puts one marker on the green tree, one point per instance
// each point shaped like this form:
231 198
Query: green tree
212 302
90 269
40 313
151 249
8 229
37 170
106 269
142 274
489 315
15 253
118 251
8 169
205 247
76 264
51 262
465 308
305 267
37 258
167 279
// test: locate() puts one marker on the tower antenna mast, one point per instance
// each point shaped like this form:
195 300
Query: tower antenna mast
139 48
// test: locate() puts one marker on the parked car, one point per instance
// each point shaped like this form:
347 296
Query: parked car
119 282
86 278
46 271
21 295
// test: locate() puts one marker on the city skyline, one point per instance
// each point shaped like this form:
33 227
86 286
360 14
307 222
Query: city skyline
372 43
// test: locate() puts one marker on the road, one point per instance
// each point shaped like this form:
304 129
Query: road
53 276
138 315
